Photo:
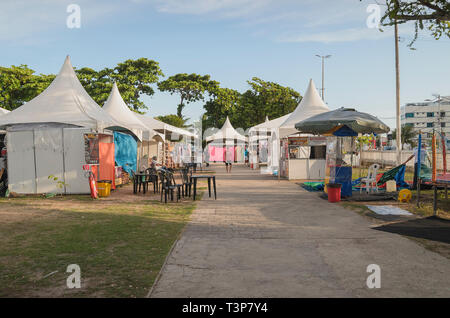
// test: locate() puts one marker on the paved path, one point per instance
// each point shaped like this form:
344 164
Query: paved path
270 238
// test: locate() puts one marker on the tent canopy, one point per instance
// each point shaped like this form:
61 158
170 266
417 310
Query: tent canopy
310 105
270 124
3 111
63 101
336 121
119 111
226 132
162 127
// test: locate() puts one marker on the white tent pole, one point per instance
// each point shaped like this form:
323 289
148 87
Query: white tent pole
35 168
64 160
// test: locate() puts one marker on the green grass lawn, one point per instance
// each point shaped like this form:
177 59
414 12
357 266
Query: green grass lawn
120 245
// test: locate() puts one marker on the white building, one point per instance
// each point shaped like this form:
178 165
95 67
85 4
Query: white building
426 116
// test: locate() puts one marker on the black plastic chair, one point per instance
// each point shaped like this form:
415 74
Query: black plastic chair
185 173
136 182
167 186
152 177
179 186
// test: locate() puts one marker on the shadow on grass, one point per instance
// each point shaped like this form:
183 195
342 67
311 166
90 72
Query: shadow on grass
430 228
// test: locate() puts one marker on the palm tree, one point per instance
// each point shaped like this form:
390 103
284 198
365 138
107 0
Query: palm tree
408 135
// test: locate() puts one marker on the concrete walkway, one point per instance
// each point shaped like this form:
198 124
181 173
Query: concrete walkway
270 238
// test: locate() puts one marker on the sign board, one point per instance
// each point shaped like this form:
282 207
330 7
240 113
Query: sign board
91 149
298 141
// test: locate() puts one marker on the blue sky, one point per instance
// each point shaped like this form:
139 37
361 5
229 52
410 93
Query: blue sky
233 40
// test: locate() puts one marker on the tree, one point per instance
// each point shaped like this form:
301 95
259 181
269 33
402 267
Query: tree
173 120
224 102
98 84
191 88
433 15
133 77
265 99
408 135
19 84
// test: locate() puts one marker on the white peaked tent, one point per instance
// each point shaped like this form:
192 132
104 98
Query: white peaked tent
3 111
48 136
63 101
227 132
270 124
119 111
310 105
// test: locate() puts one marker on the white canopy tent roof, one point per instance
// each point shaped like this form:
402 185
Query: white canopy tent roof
3 111
63 101
310 105
119 111
162 127
270 124
267 126
226 132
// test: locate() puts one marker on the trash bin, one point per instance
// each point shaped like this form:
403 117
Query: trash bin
104 188
334 192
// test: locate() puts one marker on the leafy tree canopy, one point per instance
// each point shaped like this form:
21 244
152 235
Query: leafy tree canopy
190 87
173 120
408 135
134 78
433 15
250 108
19 84
266 99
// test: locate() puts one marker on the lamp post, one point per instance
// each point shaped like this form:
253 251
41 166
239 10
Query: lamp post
323 57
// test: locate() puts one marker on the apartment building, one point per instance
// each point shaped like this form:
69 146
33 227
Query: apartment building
429 115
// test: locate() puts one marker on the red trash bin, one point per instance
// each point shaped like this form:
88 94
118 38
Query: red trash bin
334 192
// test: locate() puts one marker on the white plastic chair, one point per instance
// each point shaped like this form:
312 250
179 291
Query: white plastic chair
371 179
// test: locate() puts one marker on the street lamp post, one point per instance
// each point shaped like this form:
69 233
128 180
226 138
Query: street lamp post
323 57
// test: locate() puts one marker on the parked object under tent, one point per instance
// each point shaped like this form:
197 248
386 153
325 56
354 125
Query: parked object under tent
56 134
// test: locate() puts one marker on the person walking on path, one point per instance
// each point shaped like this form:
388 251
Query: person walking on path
227 158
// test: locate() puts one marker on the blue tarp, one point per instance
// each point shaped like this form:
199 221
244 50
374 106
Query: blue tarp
125 151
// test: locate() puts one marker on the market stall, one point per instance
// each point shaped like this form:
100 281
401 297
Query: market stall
302 156
54 134
226 143
166 140
263 139
128 138
341 126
